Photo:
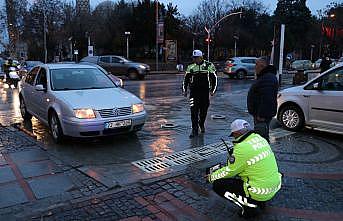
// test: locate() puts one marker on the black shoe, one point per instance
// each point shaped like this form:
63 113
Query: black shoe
248 212
193 134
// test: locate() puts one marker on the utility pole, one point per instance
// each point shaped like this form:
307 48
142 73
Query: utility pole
282 44
157 34
127 34
45 46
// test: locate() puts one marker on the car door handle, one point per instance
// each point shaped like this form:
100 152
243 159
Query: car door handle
306 95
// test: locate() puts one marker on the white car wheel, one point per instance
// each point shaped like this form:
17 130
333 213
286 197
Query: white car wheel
292 118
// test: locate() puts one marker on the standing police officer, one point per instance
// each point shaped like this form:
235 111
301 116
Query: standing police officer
202 80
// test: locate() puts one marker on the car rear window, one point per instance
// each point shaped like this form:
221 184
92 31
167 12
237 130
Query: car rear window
79 79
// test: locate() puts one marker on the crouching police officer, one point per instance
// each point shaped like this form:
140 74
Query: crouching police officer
254 163
202 79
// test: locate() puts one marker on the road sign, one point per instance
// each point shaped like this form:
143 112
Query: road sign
76 51
171 50
90 51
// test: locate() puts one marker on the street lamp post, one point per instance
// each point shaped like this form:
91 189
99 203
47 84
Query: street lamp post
236 38
127 34
70 39
209 30
45 46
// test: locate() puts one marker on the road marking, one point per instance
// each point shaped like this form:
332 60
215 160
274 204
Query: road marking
186 157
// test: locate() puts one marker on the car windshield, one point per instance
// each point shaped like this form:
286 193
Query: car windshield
79 79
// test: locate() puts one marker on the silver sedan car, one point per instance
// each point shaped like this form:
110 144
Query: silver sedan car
79 101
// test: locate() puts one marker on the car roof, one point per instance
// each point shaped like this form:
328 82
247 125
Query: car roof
61 66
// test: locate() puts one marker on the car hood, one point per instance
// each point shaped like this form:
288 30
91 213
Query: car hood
292 90
98 98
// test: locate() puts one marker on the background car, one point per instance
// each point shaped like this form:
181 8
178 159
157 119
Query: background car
220 65
301 65
26 66
79 100
240 67
119 66
318 103
118 81
316 65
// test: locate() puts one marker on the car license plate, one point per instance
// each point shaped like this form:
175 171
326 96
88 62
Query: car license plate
118 124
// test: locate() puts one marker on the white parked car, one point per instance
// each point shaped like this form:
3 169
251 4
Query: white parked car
317 104
79 101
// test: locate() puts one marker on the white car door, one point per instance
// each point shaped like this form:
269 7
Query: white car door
27 88
326 101
41 98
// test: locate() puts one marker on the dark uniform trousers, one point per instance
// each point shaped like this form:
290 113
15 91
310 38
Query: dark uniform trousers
199 103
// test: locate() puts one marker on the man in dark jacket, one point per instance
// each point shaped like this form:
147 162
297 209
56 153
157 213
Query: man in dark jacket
262 97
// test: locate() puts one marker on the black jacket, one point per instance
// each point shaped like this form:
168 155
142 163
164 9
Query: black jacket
262 96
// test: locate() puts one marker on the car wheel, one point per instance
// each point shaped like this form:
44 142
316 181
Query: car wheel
292 118
133 74
23 111
241 74
55 128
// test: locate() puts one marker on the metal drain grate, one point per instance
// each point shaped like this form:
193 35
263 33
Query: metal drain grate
185 157
194 155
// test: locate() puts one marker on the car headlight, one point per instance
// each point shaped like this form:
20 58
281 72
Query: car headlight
137 108
142 66
84 113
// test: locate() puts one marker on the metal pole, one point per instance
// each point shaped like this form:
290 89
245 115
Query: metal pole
127 46
45 47
193 44
282 44
208 45
157 34
311 53
235 47
89 40
71 50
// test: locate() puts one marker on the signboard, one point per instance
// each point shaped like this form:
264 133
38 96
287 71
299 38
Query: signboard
171 50
160 31
90 51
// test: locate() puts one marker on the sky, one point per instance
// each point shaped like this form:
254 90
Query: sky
186 7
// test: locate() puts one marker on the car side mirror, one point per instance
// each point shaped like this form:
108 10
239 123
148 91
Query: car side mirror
39 87
316 86
122 62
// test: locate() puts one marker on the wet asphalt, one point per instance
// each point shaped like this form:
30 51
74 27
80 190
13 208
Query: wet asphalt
109 159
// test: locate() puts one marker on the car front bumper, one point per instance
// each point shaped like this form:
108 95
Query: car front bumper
74 127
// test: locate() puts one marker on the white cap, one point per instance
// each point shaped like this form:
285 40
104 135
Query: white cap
197 53
238 125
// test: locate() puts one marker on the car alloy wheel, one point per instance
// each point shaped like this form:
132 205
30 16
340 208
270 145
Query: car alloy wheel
292 118
55 128
23 110
240 74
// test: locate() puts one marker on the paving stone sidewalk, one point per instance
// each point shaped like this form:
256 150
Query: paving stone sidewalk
36 186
